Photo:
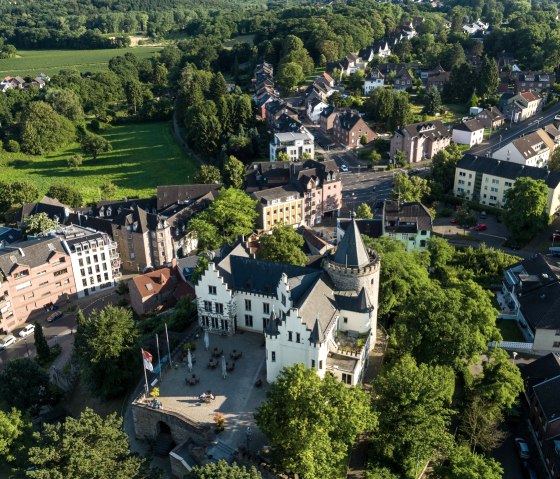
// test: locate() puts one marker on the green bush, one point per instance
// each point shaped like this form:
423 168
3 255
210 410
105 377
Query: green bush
445 213
12 146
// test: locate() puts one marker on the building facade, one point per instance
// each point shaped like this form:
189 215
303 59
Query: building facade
280 205
324 318
34 276
420 141
294 144
95 259
468 132
349 128
533 149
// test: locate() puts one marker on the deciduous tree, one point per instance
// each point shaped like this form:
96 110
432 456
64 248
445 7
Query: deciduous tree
461 463
432 100
364 211
290 76
66 194
16 194
480 424
66 102
207 174
222 470
283 245
39 224
410 188
12 428
234 172
93 144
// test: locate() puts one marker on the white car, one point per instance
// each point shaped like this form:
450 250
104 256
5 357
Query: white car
557 118
7 341
27 330
344 168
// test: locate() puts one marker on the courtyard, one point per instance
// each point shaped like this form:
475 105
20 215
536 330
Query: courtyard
236 396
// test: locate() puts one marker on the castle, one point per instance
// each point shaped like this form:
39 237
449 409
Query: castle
324 318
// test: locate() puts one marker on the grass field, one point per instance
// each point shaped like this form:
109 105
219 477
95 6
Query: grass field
143 156
33 62
510 330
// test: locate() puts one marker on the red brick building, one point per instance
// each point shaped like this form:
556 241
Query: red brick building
349 128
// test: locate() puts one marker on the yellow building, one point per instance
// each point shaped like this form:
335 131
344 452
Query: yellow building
281 205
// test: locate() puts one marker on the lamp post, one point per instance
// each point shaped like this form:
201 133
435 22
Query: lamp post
353 204
514 354
248 434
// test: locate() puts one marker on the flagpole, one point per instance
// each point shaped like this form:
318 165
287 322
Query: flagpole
168 349
158 357
144 368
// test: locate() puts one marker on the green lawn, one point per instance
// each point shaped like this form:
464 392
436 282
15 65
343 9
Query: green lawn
143 156
510 331
33 62
454 113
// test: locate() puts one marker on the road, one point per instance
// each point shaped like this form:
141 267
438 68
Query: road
512 132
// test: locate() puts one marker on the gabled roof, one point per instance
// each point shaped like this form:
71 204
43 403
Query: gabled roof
429 129
547 394
529 96
350 301
170 194
528 145
407 217
543 368
160 281
271 327
51 206
469 125
351 251
348 119
32 253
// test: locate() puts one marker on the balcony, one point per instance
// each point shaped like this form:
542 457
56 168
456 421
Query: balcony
349 343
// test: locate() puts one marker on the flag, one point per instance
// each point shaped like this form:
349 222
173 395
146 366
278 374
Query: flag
147 357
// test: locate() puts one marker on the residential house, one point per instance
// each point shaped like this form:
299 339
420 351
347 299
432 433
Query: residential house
542 389
531 290
519 107
263 71
9 236
169 195
485 180
349 128
275 109
476 27
403 80
533 149
35 275
534 81
554 134
420 141
381 49
310 316
468 132
304 192
491 118
294 144
410 223
437 77
373 80
94 257
326 119
52 207
286 124
314 109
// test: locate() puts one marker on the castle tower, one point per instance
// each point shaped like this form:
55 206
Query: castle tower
353 267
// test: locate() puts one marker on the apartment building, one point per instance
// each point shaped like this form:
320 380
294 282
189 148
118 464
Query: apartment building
373 80
94 256
486 180
349 128
420 141
468 132
280 205
518 107
34 275
533 149
294 144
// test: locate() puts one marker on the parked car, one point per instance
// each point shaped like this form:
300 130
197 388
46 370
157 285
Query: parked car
557 118
54 316
556 235
344 168
522 448
27 330
481 227
483 214
453 221
7 341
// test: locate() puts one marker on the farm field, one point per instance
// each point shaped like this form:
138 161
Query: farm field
144 155
33 62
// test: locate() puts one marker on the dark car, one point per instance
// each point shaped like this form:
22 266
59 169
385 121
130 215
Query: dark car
54 316
522 448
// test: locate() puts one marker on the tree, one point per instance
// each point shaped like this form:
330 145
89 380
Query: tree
12 428
75 162
232 214
43 130
474 100
311 422
410 188
283 245
87 447
441 253
488 77
17 193
282 156
412 403
480 423
443 169
526 208
106 344
108 190
432 100
364 211
554 161
452 56
43 349
39 224
461 463
25 385
67 103
66 194
134 95
218 87
290 76
400 159
234 172
200 268
222 470
93 144
207 174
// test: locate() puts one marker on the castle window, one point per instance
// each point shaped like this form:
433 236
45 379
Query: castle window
345 320
208 306
266 308
273 356
320 365
211 289
219 308
289 336
247 305
313 363
298 338
249 320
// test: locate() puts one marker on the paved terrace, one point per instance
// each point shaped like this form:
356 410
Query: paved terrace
235 396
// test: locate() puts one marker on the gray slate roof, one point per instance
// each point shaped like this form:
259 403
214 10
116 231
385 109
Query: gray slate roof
547 393
350 301
351 251
32 253
430 129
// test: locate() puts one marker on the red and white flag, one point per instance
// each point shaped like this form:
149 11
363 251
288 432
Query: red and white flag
147 358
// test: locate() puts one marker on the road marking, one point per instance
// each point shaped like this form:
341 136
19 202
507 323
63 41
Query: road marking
493 236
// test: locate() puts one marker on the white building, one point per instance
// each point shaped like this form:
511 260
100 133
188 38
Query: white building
324 318
533 149
468 132
294 144
375 79
94 256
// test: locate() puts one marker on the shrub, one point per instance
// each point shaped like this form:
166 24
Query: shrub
12 146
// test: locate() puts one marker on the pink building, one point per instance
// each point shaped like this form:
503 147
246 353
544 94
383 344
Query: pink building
34 275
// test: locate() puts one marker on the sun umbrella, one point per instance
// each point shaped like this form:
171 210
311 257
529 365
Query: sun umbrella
224 371
206 340
189 360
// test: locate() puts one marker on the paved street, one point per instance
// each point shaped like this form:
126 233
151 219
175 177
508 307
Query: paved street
511 132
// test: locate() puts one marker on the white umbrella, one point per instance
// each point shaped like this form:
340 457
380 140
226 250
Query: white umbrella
206 340
224 371
189 360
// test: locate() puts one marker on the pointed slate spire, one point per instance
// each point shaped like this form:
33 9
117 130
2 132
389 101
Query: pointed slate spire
351 251
272 325
315 336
